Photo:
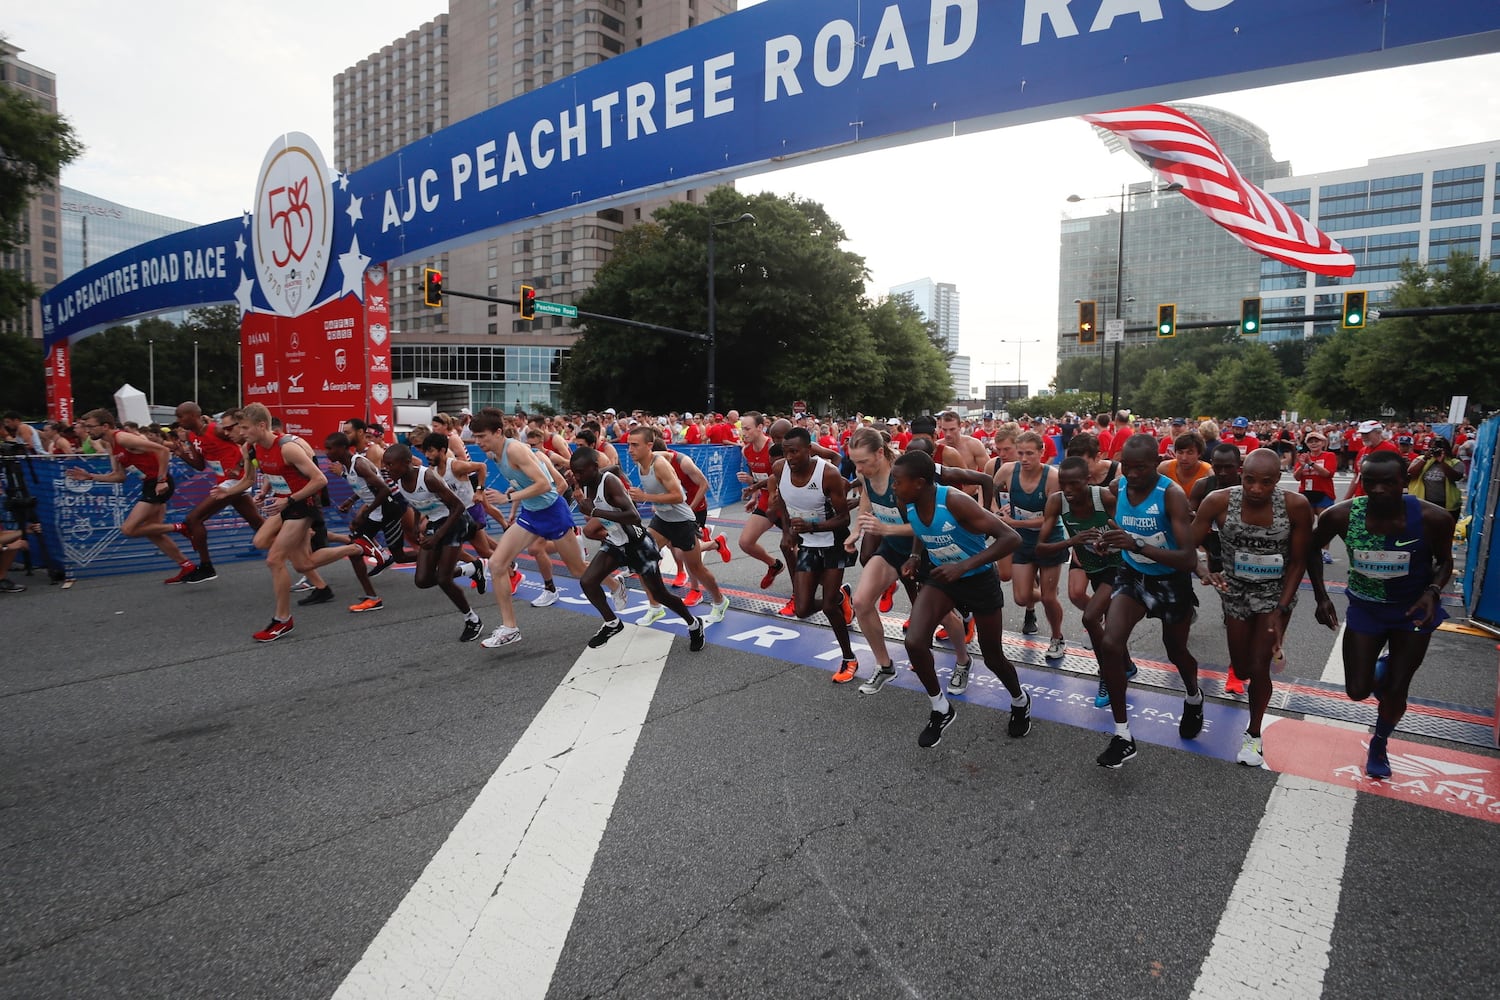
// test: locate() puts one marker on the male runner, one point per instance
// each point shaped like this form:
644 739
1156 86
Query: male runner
379 509
807 494
216 447
1035 575
972 450
955 541
443 523
627 545
1263 535
1225 462
756 447
127 451
460 475
1400 559
1155 581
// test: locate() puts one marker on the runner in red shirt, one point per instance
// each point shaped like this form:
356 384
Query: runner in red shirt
147 519
216 448
757 493
1372 439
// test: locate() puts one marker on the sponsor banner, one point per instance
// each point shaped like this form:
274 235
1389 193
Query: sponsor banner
377 345
59 375
766 85
309 370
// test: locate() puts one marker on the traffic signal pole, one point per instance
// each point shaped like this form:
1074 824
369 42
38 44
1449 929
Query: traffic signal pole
622 321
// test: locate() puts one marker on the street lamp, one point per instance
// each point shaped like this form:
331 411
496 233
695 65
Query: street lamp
712 338
1114 406
1019 344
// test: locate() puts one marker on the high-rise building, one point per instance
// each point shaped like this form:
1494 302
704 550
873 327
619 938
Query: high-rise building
94 228
478 55
1416 206
938 303
1168 251
36 259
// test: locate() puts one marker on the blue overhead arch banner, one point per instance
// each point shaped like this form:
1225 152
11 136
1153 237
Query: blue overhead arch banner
786 81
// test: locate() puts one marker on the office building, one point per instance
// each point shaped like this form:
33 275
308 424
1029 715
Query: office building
938 303
36 259
479 54
94 228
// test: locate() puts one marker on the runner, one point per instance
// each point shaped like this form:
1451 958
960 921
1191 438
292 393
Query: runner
1186 466
1225 462
971 450
1154 581
955 543
459 475
217 447
379 509
127 450
1400 559
1035 575
1263 531
808 496
757 494
443 522
627 545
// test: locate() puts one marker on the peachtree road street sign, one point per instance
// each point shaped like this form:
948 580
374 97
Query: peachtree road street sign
556 309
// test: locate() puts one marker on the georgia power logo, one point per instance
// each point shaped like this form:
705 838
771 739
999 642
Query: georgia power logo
293 232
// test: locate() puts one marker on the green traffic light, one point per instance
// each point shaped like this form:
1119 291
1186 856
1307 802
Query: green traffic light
1250 326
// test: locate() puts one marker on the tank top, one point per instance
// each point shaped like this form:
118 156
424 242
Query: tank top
460 485
519 481
690 489
284 477
1255 553
1071 524
759 464
808 502
651 484
887 510
145 461
615 532
1388 569
423 500
1147 521
1030 504
357 482
220 456
945 539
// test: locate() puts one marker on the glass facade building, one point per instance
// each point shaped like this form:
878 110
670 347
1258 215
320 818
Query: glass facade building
94 228
938 303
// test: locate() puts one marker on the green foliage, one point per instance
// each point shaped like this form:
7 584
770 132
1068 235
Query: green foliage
791 318
1327 379
104 362
1056 405
36 145
21 367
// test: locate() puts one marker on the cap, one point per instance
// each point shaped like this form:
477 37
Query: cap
1315 434
1178 422
1239 422
1367 426
610 411
1404 439
465 413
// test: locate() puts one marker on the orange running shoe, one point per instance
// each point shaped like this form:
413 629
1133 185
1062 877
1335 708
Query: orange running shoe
846 603
516 576
692 597
771 574
888 599
1232 682
723 543
790 611
846 671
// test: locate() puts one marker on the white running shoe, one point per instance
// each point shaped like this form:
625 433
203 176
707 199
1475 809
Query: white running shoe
301 586
717 612
619 593
1056 649
1251 752
653 615
502 636
546 599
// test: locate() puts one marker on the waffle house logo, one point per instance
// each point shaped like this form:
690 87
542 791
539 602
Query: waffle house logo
293 234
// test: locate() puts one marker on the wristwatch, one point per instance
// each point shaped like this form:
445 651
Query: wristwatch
1139 545
1285 609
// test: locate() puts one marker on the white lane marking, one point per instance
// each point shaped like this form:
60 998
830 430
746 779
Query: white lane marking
1274 938
495 904
1333 670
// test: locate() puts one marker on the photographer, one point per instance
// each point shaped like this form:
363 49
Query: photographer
12 543
1435 475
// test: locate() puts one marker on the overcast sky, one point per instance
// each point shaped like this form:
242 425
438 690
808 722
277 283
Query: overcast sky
177 102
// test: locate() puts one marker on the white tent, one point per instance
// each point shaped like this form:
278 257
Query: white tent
130 405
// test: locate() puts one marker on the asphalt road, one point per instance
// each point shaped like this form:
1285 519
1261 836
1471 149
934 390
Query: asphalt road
184 813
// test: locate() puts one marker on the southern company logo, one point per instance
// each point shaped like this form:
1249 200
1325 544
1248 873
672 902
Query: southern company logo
293 231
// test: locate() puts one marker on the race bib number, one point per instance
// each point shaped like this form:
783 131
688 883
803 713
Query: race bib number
279 485
1159 540
1381 565
1022 514
1251 566
946 554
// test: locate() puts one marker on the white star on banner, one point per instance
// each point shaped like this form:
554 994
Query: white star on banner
343 182
245 218
353 264
354 210
239 248
242 293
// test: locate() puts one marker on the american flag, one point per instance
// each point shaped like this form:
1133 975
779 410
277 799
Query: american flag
1181 151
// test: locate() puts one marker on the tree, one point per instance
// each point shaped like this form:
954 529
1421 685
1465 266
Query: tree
1166 391
21 374
1327 378
34 146
916 373
1256 388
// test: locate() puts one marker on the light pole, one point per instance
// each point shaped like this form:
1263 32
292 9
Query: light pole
1019 344
1114 404
713 342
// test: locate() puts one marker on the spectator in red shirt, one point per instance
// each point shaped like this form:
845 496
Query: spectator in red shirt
720 431
694 433
1373 439
1314 470
1242 437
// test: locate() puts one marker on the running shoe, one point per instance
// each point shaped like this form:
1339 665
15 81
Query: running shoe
879 679
472 630
693 597
516 576
790 610
1250 752
619 594
546 598
846 604
1020 720
722 542
932 733
182 575
376 555
1378 764
771 574
846 671
480 582
1117 753
1101 700
322 595
368 604
1056 649
1327 558
301 586
11 587
958 681
888 599
941 635
1233 683
653 614
1130 668
680 580
704 533
277 629
1191 723
1028 624
696 638
906 626
717 612
202 574
504 635
606 632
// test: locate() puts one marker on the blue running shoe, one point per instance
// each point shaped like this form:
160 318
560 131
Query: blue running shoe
1131 669
1378 765
1101 700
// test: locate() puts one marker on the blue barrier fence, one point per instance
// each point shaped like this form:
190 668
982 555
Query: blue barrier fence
81 521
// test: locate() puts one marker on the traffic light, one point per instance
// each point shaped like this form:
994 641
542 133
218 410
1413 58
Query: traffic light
528 302
1250 317
1088 331
1166 321
432 286
1354 310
